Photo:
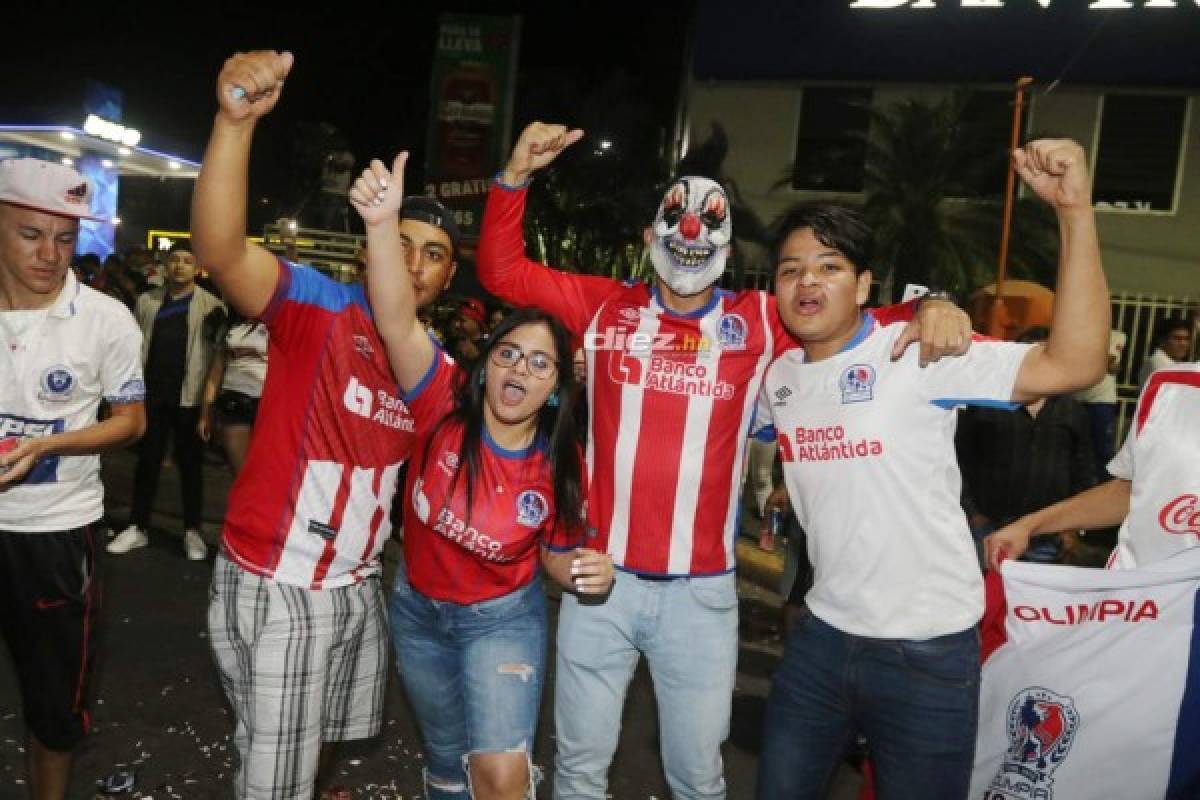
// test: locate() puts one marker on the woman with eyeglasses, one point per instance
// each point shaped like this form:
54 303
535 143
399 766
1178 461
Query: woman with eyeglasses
494 487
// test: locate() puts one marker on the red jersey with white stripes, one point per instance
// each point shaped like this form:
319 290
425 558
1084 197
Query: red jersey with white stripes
310 507
1160 458
492 550
670 399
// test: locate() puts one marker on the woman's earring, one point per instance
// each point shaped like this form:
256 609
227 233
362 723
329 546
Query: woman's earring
552 400
482 375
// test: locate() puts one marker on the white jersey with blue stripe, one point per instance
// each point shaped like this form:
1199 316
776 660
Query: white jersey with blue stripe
867 446
84 349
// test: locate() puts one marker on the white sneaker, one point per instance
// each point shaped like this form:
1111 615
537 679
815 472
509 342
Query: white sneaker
193 545
128 539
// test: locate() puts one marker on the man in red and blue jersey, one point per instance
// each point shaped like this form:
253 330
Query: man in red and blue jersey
297 620
673 373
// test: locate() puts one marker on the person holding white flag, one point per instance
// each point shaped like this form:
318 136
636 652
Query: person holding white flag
1155 496
1094 686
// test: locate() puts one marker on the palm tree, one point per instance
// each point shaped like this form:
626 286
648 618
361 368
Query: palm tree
936 219
750 234
587 213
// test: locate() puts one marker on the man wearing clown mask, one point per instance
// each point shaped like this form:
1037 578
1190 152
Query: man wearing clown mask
689 240
673 373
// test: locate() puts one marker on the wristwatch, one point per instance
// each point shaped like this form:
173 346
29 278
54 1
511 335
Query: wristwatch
937 294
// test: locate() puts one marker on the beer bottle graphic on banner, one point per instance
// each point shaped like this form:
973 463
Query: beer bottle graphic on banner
467 121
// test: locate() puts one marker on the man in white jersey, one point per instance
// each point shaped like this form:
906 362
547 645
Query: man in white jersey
64 349
1155 496
889 647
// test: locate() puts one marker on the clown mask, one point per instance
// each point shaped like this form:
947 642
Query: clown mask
691 235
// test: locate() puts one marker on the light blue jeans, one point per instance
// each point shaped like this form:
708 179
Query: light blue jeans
687 628
473 674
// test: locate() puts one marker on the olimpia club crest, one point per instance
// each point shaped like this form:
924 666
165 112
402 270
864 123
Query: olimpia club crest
1041 728
532 509
57 384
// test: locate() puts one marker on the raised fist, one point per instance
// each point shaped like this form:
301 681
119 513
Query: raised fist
1056 170
250 83
378 194
540 143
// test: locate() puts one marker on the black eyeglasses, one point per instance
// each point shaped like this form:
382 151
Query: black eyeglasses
540 364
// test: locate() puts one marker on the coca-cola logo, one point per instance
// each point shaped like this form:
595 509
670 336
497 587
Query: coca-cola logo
1181 515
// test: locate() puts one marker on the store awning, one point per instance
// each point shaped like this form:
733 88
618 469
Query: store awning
70 143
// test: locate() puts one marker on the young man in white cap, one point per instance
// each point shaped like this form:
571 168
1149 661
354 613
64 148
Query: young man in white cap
65 348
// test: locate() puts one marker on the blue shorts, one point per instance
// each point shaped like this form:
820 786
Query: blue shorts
473 673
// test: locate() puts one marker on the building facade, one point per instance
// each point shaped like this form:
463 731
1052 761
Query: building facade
792 86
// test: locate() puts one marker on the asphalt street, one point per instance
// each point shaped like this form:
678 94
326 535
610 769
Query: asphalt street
159 709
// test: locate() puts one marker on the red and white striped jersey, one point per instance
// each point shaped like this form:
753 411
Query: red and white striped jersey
670 399
1161 456
310 507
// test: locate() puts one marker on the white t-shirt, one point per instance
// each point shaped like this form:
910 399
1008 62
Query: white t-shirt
867 446
1161 456
1153 363
52 378
245 358
1106 390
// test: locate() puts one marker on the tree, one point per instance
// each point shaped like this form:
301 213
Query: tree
588 211
750 234
937 220
320 159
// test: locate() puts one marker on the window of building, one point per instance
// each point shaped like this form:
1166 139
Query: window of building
1138 151
831 140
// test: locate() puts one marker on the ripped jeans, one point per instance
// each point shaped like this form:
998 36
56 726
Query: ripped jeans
474 675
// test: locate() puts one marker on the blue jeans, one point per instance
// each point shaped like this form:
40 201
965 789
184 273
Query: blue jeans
917 702
687 628
1103 417
473 674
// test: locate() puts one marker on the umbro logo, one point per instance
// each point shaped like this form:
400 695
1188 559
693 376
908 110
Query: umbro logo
781 395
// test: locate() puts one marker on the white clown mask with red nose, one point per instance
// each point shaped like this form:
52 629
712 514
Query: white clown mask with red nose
691 235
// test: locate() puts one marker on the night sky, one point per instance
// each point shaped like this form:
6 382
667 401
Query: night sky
365 70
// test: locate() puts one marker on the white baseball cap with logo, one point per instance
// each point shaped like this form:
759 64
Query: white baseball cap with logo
45 186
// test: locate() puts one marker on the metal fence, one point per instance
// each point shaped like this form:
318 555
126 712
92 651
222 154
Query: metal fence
1139 315
332 252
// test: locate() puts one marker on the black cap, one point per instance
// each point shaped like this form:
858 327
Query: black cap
430 211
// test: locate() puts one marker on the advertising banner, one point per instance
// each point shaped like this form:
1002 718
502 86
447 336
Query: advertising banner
470 120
